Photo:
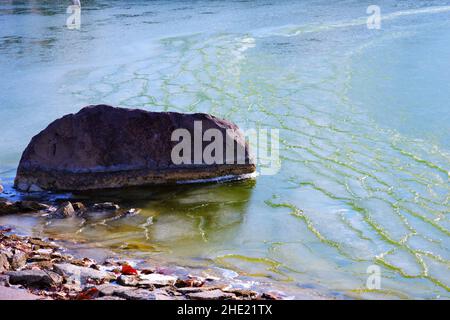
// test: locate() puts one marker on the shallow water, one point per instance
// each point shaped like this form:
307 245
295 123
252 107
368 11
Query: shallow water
363 118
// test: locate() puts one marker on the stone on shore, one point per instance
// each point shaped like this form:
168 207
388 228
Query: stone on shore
108 289
4 263
157 280
136 294
35 278
83 273
211 295
125 280
18 260
106 147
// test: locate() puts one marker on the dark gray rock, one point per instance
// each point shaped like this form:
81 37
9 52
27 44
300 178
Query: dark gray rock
106 147
35 278
106 206
8 207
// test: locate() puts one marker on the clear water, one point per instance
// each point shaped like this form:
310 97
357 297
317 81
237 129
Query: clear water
363 116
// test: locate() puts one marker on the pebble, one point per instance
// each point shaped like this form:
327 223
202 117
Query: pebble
155 279
211 295
137 294
84 273
19 260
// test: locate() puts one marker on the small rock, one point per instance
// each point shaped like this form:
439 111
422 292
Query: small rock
88 294
39 258
109 298
211 295
191 281
35 278
4 263
271 296
1 188
106 206
137 294
248 294
40 243
83 273
66 210
79 207
155 279
132 212
109 289
19 259
73 284
161 294
128 280
46 252
7 207
47 265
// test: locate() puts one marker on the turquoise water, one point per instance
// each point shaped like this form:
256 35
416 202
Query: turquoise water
363 118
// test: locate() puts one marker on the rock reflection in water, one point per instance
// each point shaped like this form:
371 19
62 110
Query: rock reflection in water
175 219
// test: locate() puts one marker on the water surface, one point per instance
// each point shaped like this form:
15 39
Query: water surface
363 118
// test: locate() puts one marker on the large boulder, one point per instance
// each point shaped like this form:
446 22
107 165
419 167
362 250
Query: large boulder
107 147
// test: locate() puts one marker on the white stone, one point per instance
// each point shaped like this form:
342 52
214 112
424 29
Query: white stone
157 279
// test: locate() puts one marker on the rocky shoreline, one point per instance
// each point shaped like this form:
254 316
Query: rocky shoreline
36 268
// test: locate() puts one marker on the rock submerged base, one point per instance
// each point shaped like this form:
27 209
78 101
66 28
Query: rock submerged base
103 147
34 180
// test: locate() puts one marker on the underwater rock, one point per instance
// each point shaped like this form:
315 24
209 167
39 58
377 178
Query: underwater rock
107 147
66 210
106 206
8 207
